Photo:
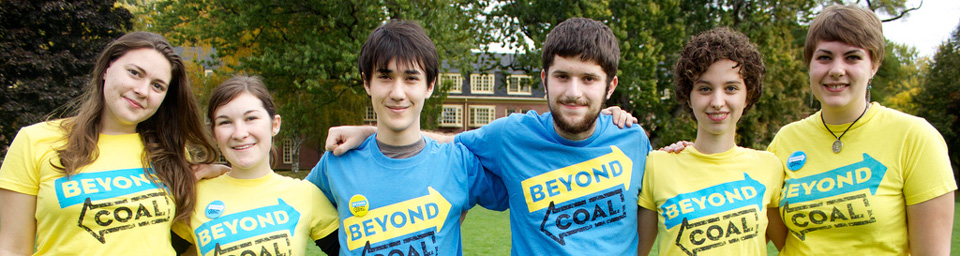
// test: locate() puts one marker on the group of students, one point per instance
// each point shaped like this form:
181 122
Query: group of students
117 177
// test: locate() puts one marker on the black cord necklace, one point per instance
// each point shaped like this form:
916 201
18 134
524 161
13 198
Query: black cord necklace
837 145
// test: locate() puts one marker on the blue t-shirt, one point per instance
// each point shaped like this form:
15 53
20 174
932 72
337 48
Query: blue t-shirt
410 205
566 197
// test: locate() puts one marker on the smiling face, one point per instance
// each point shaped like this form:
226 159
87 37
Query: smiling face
244 132
717 99
398 92
839 75
134 86
576 90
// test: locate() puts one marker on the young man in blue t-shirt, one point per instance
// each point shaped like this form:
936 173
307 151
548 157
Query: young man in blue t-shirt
572 176
400 192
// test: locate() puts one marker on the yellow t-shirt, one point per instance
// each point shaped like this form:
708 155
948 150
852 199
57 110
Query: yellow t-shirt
712 204
854 202
109 207
271 215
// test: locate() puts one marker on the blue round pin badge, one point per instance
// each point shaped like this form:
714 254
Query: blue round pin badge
796 160
214 209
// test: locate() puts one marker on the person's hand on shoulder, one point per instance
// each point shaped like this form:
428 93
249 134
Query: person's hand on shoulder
676 147
621 117
209 171
341 139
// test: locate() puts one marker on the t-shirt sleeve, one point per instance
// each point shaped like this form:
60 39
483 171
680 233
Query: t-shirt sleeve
776 181
486 189
318 177
19 172
181 229
772 147
325 219
484 141
926 165
646 199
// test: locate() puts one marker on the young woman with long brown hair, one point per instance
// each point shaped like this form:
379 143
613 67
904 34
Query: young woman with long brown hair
111 179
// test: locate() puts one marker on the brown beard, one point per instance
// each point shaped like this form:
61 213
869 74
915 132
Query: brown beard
573 128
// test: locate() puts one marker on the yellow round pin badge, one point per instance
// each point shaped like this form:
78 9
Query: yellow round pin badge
359 205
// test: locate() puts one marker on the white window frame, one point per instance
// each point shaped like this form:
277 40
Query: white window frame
457 119
482 83
287 147
457 86
476 120
508 111
369 115
523 88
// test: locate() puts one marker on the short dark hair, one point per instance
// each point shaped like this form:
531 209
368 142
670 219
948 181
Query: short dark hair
848 24
590 39
403 41
713 45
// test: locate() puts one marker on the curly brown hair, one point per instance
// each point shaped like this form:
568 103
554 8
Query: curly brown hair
711 46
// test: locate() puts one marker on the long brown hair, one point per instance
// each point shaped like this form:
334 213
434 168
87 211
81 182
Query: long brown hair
173 138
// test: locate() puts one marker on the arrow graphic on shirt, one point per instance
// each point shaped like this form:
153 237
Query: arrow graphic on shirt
578 216
712 200
407 217
578 180
122 214
865 174
249 223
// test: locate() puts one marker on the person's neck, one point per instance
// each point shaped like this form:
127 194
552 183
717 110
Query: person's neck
575 136
398 138
713 144
250 173
114 129
843 115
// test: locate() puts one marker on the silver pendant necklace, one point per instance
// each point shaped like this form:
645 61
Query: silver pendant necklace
838 145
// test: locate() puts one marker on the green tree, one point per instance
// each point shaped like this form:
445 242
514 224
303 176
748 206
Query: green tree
48 48
306 51
898 77
651 34
939 97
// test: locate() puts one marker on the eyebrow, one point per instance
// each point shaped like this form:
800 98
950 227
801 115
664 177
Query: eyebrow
701 81
244 113
145 73
408 71
845 53
565 72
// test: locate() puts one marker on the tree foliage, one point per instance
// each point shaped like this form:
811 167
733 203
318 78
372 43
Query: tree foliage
898 78
48 49
307 51
651 34
939 97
